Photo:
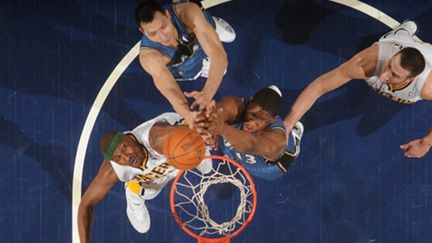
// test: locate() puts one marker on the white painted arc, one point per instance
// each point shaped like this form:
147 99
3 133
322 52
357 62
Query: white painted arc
86 132
371 11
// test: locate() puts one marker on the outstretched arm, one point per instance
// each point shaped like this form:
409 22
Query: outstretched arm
358 67
418 147
97 190
269 143
155 64
212 46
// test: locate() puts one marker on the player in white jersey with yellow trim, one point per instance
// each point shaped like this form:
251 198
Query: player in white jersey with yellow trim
134 157
410 90
397 66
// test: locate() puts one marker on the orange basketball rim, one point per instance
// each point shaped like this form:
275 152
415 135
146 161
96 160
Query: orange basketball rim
190 209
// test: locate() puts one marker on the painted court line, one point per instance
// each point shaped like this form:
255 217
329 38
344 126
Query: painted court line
86 132
372 12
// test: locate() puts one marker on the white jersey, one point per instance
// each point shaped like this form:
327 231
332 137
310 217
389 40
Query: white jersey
387 48
155 170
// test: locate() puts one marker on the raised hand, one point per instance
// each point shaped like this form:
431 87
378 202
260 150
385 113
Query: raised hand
416 148
202 98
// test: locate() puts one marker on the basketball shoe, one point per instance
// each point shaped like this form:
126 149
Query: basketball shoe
297 133
137 211
224 30
408 28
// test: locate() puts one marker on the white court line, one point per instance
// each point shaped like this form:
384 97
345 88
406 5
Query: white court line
86 132
91 119
210 3
371 11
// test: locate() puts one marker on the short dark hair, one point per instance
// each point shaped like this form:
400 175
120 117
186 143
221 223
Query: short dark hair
269 100
412 60
146 10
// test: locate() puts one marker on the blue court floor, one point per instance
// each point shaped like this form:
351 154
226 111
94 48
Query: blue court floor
350 184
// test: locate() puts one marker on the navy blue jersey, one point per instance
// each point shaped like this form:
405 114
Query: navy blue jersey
186 59
254 164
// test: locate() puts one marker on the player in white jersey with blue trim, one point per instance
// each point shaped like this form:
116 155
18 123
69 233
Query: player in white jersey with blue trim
134 157
397 66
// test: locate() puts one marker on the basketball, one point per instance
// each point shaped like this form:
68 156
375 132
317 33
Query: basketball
184 148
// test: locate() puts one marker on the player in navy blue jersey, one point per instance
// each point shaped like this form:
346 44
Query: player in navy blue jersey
250 131
181 42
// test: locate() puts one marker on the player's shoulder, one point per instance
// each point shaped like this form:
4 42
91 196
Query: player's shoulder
366 54
152 60
190 15
231 100
150 53
426 92
232 108
274 129
106 174
187 10
361 65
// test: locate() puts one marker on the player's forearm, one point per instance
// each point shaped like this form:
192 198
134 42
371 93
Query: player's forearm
182 108
178 101
241 140
303 103
219 63
85 218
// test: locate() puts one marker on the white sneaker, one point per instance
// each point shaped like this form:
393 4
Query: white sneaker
205 67
409 26
137 211
297 133
408 29
224 30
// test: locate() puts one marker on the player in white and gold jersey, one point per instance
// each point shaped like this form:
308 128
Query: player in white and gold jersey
397 66
134 157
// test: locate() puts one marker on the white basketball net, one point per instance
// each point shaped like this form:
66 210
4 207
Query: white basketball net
192 209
